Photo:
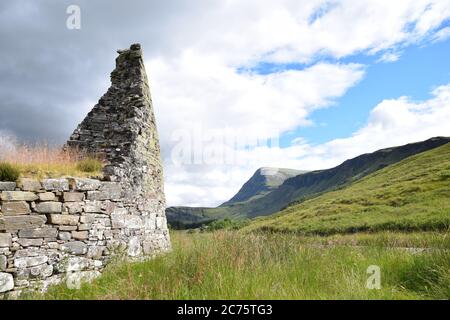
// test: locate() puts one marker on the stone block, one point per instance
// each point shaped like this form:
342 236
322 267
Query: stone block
7 186
3 263
5 240
38 233
63 219
75 279
79 184
30 184
26 242
75 247
47 196
64 235
22 222
27 262
6 282
18 196
49 207
80 235
55 184
14 208
73 196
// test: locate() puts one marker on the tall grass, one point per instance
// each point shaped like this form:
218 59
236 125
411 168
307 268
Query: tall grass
42 160
232 265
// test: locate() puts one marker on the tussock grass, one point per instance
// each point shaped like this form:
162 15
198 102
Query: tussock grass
8 172
232 265
43 161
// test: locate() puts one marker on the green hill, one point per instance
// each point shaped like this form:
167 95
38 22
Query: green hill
413 194
266 194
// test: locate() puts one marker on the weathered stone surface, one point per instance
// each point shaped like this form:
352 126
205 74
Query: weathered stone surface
64 235
93 207
134 247
38 233
73 207
73 196
47 196
75 279
126 221
7 186
63 219
95 252
79 184
5 240
42 271
55 184
3 262
77 264
22 222
108 191
75 247
26 262
30 184
49 207
6 282
80 235
25 242
18 196
68 228
14 208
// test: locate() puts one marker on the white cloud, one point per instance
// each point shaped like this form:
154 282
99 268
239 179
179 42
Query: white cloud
199 94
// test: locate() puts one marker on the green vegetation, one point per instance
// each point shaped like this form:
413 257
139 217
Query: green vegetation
410 195
232 265
89 165
264 195
8 172
226 224
54 170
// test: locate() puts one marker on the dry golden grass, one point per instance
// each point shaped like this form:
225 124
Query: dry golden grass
44 161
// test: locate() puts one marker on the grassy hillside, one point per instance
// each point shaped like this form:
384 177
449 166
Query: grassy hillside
232 265
254 201
410 195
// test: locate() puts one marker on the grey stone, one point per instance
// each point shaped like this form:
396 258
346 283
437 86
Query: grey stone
30 184
47 196
6 282
49 207
24 242
76 248
73 207
55 184
38 233
3 263
15 208
95 252
27 262
73 196
93 207
18 196
63 219
74 280
77 264
7 186
68 228
5 240
22 222
86 184
65 236
42 271
134 246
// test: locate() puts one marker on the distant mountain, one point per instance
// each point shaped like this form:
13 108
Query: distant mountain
263 181
412 194
253 200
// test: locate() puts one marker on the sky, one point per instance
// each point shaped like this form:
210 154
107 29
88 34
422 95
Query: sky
236 85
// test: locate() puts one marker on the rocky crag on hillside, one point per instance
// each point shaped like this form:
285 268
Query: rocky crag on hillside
67 229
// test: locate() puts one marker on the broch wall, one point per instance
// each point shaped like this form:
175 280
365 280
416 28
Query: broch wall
67 229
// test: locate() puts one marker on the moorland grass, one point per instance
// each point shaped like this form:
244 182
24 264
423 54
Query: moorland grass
233 265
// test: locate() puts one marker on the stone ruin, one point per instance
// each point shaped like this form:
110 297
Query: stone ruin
67 229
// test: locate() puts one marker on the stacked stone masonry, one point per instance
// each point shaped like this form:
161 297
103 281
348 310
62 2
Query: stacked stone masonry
67 229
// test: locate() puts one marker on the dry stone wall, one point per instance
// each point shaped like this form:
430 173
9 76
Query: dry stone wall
67 229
